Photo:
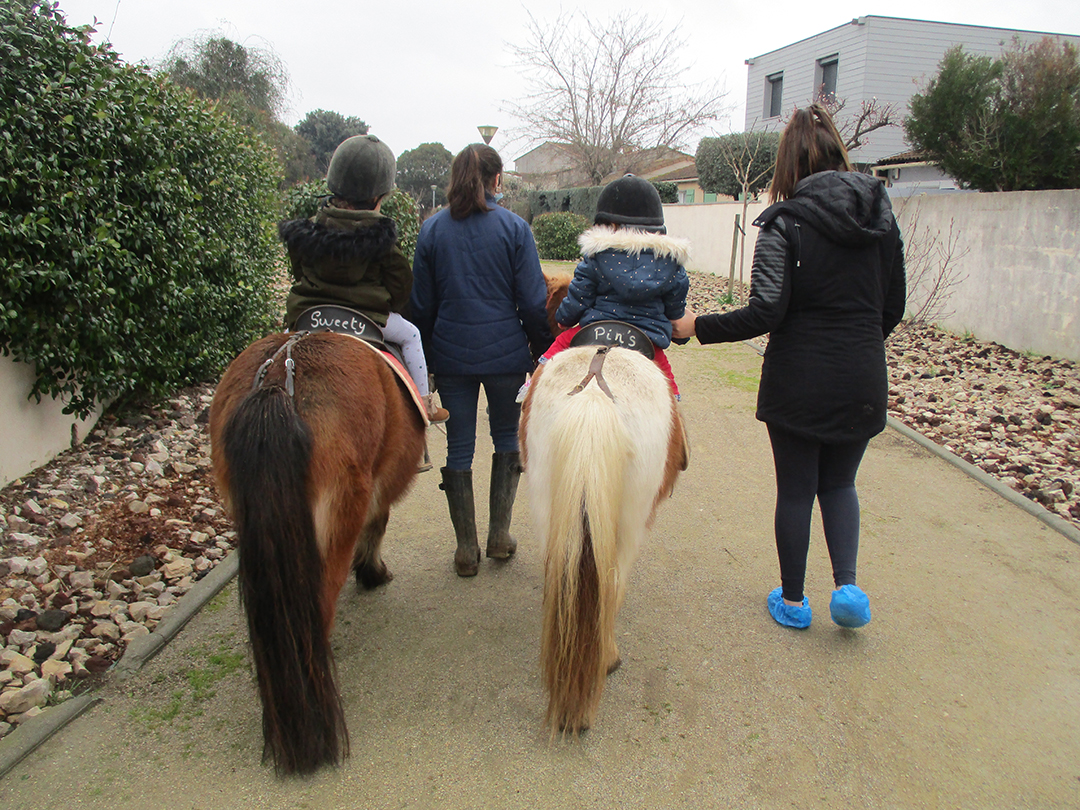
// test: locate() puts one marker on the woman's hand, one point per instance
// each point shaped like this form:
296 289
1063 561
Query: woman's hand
684 326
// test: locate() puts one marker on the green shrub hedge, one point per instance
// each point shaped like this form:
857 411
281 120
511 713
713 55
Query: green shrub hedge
137 242
556 235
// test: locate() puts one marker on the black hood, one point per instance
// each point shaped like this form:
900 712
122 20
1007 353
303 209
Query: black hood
849 208
339 238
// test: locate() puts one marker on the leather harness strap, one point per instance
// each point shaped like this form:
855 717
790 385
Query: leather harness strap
596 372
290 365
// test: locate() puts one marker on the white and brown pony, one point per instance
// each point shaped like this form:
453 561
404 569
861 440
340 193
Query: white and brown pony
313 438
602 443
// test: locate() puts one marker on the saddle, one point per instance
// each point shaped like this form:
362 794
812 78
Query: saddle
346 321
615 334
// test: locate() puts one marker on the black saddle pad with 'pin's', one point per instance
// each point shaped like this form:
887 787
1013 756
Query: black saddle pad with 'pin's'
614 333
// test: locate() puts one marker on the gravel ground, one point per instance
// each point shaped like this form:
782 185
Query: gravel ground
99 543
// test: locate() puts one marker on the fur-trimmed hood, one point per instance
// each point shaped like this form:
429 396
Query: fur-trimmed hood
339 236
629 240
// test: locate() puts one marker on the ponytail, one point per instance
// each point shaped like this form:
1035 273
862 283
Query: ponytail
810 144
472 173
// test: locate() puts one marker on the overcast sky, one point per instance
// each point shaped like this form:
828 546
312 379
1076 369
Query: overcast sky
433 70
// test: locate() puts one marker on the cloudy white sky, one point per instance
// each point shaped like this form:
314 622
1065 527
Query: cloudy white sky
433 70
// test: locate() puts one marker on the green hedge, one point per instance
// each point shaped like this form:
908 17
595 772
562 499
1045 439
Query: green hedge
556 234
137 243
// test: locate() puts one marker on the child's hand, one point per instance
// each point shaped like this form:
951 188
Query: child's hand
684 327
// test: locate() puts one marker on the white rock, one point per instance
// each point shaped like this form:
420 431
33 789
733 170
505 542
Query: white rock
105 630
16 662
55 671
81 579
22 638
16 701
178 568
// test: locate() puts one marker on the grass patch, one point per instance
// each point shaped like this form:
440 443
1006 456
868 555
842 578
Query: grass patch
727 364
214 664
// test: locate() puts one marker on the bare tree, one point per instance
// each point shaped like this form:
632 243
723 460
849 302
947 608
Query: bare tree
854 127
609 90
932 261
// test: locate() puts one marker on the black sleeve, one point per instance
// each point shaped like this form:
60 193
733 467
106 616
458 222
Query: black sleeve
770 289
896 294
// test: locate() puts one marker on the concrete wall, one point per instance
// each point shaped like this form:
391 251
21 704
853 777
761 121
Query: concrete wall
710 227
33 432
1019 278
1021 285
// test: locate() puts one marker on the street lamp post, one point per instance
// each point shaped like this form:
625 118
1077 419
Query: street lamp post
487 133
433 187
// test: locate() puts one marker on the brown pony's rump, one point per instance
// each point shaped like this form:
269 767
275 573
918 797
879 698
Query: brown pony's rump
309 479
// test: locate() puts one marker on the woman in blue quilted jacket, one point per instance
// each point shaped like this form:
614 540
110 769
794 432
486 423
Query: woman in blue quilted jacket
478 299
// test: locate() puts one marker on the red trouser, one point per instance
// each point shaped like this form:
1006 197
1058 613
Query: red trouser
563 342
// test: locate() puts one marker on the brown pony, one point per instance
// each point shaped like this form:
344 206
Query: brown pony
313 438
603 443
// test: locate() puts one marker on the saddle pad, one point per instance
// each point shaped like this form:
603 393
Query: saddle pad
343 320
402 373
615 333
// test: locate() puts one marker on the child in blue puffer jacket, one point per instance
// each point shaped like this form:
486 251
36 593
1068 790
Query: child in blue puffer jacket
631 270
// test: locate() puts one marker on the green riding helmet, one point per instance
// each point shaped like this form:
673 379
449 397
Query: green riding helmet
361 169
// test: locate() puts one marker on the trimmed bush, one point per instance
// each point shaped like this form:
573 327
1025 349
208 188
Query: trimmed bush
668 191
136 223
556 235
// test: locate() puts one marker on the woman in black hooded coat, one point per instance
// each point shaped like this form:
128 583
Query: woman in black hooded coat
828 286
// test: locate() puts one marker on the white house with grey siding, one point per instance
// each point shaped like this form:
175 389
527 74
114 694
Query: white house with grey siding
883 58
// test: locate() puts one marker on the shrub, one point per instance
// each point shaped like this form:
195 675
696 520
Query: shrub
556 235
668 191
302 201
1007 124
404 210
136 223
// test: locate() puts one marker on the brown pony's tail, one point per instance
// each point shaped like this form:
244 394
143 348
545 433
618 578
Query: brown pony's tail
590 451
268 448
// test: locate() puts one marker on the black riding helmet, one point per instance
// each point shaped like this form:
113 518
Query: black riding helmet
630 201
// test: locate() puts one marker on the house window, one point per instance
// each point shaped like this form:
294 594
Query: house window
825 78
774 95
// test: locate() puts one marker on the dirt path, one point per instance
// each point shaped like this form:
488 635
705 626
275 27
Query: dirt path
964 691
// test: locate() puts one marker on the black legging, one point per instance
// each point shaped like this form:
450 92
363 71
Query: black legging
806 469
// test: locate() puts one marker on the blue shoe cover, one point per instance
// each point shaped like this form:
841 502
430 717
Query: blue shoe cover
850 607
797 616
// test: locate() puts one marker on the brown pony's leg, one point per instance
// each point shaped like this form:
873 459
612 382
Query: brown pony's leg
345 525
368 565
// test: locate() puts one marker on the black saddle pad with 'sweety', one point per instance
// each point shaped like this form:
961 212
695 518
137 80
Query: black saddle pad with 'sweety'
334 318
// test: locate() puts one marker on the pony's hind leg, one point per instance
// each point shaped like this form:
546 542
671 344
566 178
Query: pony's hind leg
368 565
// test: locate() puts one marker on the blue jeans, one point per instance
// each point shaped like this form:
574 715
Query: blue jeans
460 395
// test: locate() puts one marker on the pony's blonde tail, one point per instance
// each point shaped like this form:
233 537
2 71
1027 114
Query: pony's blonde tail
590 451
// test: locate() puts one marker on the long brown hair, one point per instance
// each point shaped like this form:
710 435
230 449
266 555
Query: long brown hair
810 144
472 173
